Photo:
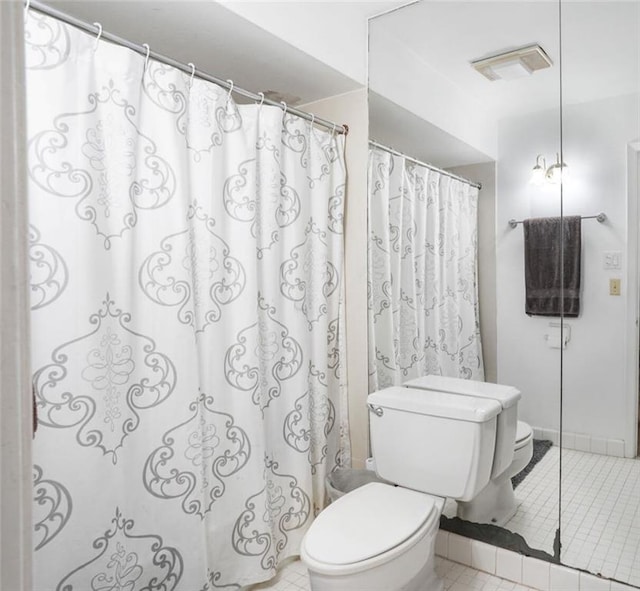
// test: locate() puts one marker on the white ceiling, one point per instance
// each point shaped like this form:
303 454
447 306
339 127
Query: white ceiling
438 38
599 47
334 32
256 53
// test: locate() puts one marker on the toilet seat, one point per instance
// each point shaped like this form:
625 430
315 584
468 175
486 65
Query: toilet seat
371 525
524 433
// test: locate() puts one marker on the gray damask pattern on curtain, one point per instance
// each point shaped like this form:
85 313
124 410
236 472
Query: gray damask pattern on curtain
423 292
187 322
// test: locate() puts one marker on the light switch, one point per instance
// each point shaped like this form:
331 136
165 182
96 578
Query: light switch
612 259
614 286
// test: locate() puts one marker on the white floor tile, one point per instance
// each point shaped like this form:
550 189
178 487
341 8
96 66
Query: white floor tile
601 522
456 577
600 517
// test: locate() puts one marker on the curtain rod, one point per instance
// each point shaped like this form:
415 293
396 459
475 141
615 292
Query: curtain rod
425 164
142 50
601 217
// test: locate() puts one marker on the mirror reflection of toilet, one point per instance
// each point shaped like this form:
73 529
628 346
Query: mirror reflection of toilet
496 503
379 537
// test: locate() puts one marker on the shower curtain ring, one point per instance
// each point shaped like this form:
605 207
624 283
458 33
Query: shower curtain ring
333 130
313 120
193 71
99 27
284 106
261 95
146 57
230 82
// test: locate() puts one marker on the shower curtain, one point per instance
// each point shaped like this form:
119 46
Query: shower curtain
423 289
186 280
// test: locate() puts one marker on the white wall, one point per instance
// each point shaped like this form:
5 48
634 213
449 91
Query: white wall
15 380
351 108
595 140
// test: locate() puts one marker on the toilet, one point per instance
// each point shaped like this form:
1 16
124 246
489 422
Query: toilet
496 503
381 537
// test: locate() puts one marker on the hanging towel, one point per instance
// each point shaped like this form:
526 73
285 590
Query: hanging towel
546 262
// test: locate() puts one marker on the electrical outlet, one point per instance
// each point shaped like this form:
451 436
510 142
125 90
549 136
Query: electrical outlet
614 287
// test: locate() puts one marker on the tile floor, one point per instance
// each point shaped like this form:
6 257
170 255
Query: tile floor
537 516
292 576
456 577
536 519
601 515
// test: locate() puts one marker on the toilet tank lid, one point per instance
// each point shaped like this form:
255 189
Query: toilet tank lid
367 522
437 404
506 395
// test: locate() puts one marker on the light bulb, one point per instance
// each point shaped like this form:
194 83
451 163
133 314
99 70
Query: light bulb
557 172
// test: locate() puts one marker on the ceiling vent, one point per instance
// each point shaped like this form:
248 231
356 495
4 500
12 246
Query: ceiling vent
513 64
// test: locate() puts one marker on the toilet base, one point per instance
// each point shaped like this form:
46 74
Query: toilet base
426 580
495 504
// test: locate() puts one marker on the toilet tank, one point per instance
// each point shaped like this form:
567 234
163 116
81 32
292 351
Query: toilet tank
507 396
441 444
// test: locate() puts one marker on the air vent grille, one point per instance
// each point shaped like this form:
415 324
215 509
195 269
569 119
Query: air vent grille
513 64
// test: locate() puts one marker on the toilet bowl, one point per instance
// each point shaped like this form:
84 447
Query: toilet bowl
523 451
496 503
375 538
381 537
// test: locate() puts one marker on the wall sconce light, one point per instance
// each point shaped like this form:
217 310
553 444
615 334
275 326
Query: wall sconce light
557 172
552 175
538 171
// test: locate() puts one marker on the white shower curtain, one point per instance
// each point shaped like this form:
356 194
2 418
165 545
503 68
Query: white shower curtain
423 289
188 354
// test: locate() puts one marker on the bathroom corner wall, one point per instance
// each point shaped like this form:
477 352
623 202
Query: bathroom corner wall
15 382
595 140
351 108
485 174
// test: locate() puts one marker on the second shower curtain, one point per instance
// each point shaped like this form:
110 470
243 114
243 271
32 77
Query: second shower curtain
423 289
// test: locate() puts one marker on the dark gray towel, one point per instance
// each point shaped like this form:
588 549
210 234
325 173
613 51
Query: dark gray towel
548 293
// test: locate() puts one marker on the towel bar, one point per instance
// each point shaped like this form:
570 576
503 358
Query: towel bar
601 217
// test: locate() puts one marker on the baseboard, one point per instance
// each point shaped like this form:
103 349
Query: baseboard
582 442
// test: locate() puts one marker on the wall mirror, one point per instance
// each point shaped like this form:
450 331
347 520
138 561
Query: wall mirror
556 142
600 492
432 311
